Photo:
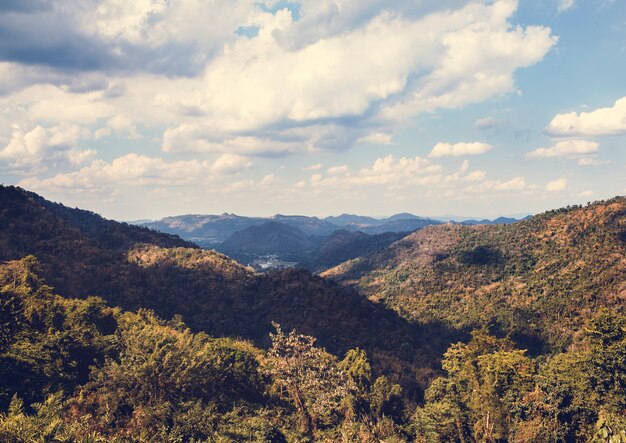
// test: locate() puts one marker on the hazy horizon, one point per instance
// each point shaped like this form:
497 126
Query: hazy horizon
140 110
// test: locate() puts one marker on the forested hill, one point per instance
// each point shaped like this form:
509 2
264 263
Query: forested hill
539 279
81 254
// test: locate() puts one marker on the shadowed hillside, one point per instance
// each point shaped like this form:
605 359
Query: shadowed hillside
212 292
537 279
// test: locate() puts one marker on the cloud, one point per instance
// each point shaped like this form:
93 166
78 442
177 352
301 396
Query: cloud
38 149
338 170
139 170
564 5
602 121
590 161
377 138
302 83
315 167
230 163
566 148
459 149
130 169
557 185
514 184
488 123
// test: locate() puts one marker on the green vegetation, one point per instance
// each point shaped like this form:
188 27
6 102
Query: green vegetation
77 370
510 334
211 292
537 280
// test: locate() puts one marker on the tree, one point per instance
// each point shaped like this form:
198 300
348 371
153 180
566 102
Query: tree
309 376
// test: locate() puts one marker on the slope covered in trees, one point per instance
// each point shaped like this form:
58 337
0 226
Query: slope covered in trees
211 292
79 370
539 279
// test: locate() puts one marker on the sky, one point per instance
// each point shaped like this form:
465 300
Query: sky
149 108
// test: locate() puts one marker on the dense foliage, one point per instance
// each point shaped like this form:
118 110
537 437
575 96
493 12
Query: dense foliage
517 334
538 280
212 293
77 370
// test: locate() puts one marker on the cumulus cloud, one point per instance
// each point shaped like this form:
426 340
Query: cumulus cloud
459 149
230 163
557 185
338 170
300 84
602 121
38 149
138 170
566 148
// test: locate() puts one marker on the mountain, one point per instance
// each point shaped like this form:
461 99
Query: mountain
496 221
311 226
404 216
351 219
269 238
209 231
537 280
204 230
344 245
81 254
400 225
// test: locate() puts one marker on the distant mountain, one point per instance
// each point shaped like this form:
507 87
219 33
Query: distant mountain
400 225
536 279
83 254
351 219
311 226
209 231
345 245
496 221
204 230
403 216
269 238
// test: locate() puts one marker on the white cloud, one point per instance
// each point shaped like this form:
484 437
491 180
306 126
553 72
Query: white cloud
488 123
290 88
487 187
590 161
121 125
230 163
139 170
377 138
38 149
130 169
564 5
459 149
315 167
566 148
557 185
338 170
602 121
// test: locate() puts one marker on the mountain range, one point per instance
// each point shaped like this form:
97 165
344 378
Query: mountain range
296 240
435 335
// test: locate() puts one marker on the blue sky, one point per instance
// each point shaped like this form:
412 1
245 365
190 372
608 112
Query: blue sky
152 108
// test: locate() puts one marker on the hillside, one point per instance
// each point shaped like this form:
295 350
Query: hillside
79 370
211 292
345 245
538 279
269 238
